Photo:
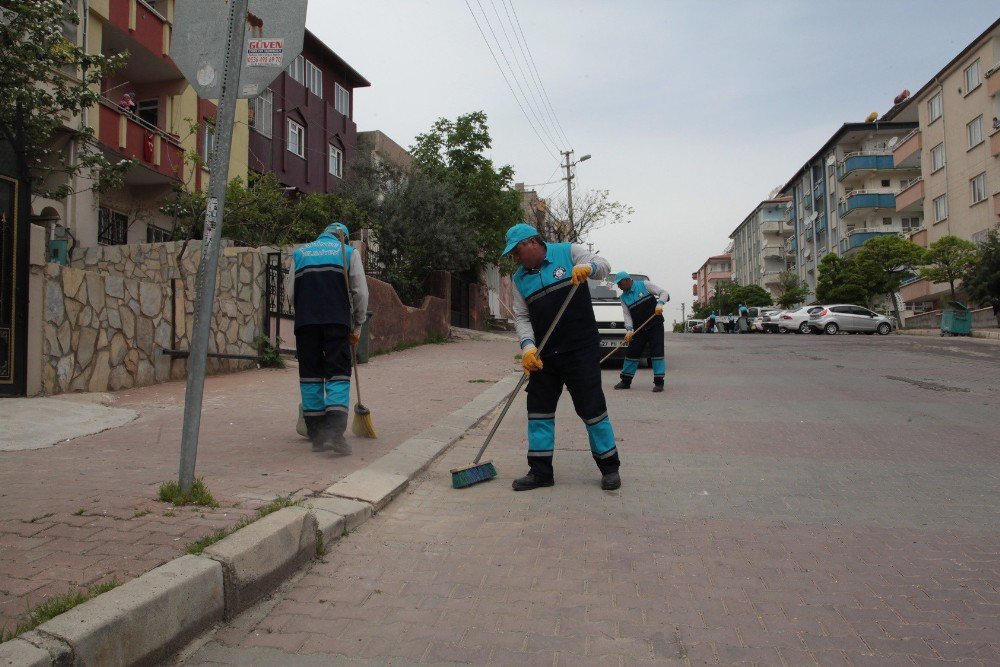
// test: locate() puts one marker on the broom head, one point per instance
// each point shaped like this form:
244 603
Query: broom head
472 474
300 425
362 425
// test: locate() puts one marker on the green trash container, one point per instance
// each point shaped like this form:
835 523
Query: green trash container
957 320
362 349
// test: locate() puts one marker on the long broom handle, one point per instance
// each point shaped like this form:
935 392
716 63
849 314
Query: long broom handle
524 377
350 303
618 346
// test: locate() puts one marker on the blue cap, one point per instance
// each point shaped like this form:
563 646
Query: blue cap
622 275
516 234
336 228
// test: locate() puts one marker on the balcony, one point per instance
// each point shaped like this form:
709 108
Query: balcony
791 245
860 202
771 277
919 236
771 226
856 166
995 143
857 237
142 23
907 152
911 198
996 203
772 249
126 135
993 80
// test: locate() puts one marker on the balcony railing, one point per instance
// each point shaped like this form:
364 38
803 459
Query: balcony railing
857 200
993 80
864 161
143 23
129 135
858 237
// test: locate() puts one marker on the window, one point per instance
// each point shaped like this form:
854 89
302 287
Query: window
297 69
157 234
112 227
975 129
149 111
940 208
296 138
314 79
972 78
886 221
341 99
978 188
262 112
336 162
934 108
911 224
937 157
885 182
208 143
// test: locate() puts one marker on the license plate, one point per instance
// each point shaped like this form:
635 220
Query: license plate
609 343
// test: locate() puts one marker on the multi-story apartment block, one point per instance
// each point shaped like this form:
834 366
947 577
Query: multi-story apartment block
956 148
715 269
303 127
845 194
759 251
169 121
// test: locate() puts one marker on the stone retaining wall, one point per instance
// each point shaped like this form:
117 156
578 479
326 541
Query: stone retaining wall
981 318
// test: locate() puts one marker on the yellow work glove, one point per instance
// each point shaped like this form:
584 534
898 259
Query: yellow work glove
354 337
628 337
530 361
659 309
580 273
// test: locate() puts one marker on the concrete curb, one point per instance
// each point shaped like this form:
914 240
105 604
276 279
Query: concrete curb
976 334
148 618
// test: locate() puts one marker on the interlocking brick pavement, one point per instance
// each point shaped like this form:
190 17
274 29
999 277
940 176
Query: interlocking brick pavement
784 502
86 511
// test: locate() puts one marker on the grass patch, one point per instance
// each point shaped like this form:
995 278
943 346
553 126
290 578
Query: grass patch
80 511
170 513
484 381
140 513
170 492
39 518
320 547
56 605
198 546
432 338
435 338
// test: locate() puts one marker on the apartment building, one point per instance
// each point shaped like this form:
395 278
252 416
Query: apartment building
715 269
303 128
845 194
955 147
759 250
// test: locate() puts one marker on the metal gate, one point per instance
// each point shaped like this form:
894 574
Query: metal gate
13 287
459 301
279 315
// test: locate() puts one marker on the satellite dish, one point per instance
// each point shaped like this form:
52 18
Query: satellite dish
892 142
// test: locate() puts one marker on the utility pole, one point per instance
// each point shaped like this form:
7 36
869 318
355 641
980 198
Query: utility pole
683 318
569 184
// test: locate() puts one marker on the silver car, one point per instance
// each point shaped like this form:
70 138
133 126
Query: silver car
846 317
796 320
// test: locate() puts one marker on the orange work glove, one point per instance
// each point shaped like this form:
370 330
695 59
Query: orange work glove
530 361
659 309
628 337
353 337
580 273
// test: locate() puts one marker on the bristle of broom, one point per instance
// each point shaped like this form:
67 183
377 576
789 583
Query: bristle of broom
300 425
362 425
462 477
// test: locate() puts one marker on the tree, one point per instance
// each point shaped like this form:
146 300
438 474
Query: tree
793 290
982 280
591 211
454 153
841 280
46 79
887 261
752 295
949 258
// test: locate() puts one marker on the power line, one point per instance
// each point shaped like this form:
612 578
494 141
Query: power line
509 86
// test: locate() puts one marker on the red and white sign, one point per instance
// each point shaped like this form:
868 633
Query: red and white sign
265 52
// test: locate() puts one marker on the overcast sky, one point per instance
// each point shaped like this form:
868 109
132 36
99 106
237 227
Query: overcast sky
693 111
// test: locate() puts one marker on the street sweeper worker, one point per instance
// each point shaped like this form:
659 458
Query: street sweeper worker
641 300
325 331
570 357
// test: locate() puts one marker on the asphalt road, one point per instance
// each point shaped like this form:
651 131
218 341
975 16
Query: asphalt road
788 500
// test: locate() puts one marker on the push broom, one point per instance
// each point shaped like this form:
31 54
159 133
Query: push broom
480 472
362 424
619 345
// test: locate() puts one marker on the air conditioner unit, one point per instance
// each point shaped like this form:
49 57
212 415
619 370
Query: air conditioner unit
991 70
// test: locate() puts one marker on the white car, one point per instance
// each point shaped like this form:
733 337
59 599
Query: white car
609 315
796 320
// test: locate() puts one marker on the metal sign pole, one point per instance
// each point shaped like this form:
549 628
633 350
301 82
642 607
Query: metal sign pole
211 240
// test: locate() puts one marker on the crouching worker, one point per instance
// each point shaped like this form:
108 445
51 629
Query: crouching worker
641 300
571 356
325 331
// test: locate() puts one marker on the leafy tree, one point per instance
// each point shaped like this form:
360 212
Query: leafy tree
982 281
841 280
887 261
949 258
455 153
793 290
46 82
591 211
752 295
725 300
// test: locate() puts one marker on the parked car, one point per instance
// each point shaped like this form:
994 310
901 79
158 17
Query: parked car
850 318
610 318
796 320
768 321
694 326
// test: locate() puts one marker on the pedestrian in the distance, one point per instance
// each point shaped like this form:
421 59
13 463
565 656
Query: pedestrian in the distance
744 319
995 302
710 325
641 300
571 356
325 331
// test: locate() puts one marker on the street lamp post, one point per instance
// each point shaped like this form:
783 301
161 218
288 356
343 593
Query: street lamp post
569 183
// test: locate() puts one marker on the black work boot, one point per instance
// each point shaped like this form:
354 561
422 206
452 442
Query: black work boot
336 424
531 481
623 384
611 481
657 388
